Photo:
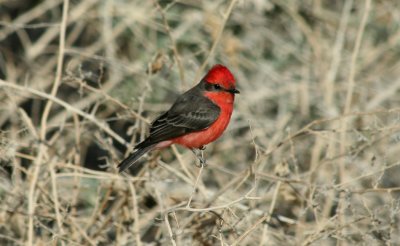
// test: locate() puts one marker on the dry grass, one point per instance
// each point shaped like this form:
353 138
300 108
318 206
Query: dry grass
310 158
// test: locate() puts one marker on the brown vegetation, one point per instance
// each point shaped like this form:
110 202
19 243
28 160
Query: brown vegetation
310 157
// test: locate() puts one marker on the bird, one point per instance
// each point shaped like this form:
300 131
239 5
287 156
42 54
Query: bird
198 117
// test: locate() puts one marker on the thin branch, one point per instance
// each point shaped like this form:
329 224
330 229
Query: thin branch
68 107
136 227
171 234
349 97
195 186
171 38
43 130
252 228
217 39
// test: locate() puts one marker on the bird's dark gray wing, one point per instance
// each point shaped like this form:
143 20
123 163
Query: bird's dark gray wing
191 112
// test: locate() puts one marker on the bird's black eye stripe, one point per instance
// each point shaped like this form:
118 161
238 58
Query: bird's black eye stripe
213 87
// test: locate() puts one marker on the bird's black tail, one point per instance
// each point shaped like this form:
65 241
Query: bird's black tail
132 158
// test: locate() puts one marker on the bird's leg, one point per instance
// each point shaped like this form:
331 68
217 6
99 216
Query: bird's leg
200 155
203 162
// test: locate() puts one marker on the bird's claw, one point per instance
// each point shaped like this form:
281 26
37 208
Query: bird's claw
200 156
202 163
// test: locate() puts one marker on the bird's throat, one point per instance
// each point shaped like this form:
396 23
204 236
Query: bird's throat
221 98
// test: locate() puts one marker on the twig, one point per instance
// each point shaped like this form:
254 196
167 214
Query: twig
55 198
381 170
217 39
108 97
68 107
252 228
40 45
351 83
271 208
349 96
136 227
336 54
43 130
185 208
91 174
81 231
174 47
181 162
28 16
171 234
195 186
180 175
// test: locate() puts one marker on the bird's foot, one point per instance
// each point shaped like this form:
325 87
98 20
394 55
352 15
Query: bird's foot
200 156
202 163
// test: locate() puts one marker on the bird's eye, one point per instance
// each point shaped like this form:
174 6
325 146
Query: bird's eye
217 87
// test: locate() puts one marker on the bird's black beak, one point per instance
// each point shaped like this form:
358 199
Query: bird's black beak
234 91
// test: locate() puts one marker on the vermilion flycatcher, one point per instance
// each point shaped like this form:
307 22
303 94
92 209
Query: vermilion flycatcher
198 116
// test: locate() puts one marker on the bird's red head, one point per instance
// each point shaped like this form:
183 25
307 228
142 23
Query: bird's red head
221 75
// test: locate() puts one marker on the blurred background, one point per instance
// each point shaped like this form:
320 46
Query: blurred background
310 156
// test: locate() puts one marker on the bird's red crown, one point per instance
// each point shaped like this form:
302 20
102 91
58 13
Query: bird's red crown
221 75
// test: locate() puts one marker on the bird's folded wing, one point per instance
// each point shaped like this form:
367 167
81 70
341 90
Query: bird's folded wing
188 114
